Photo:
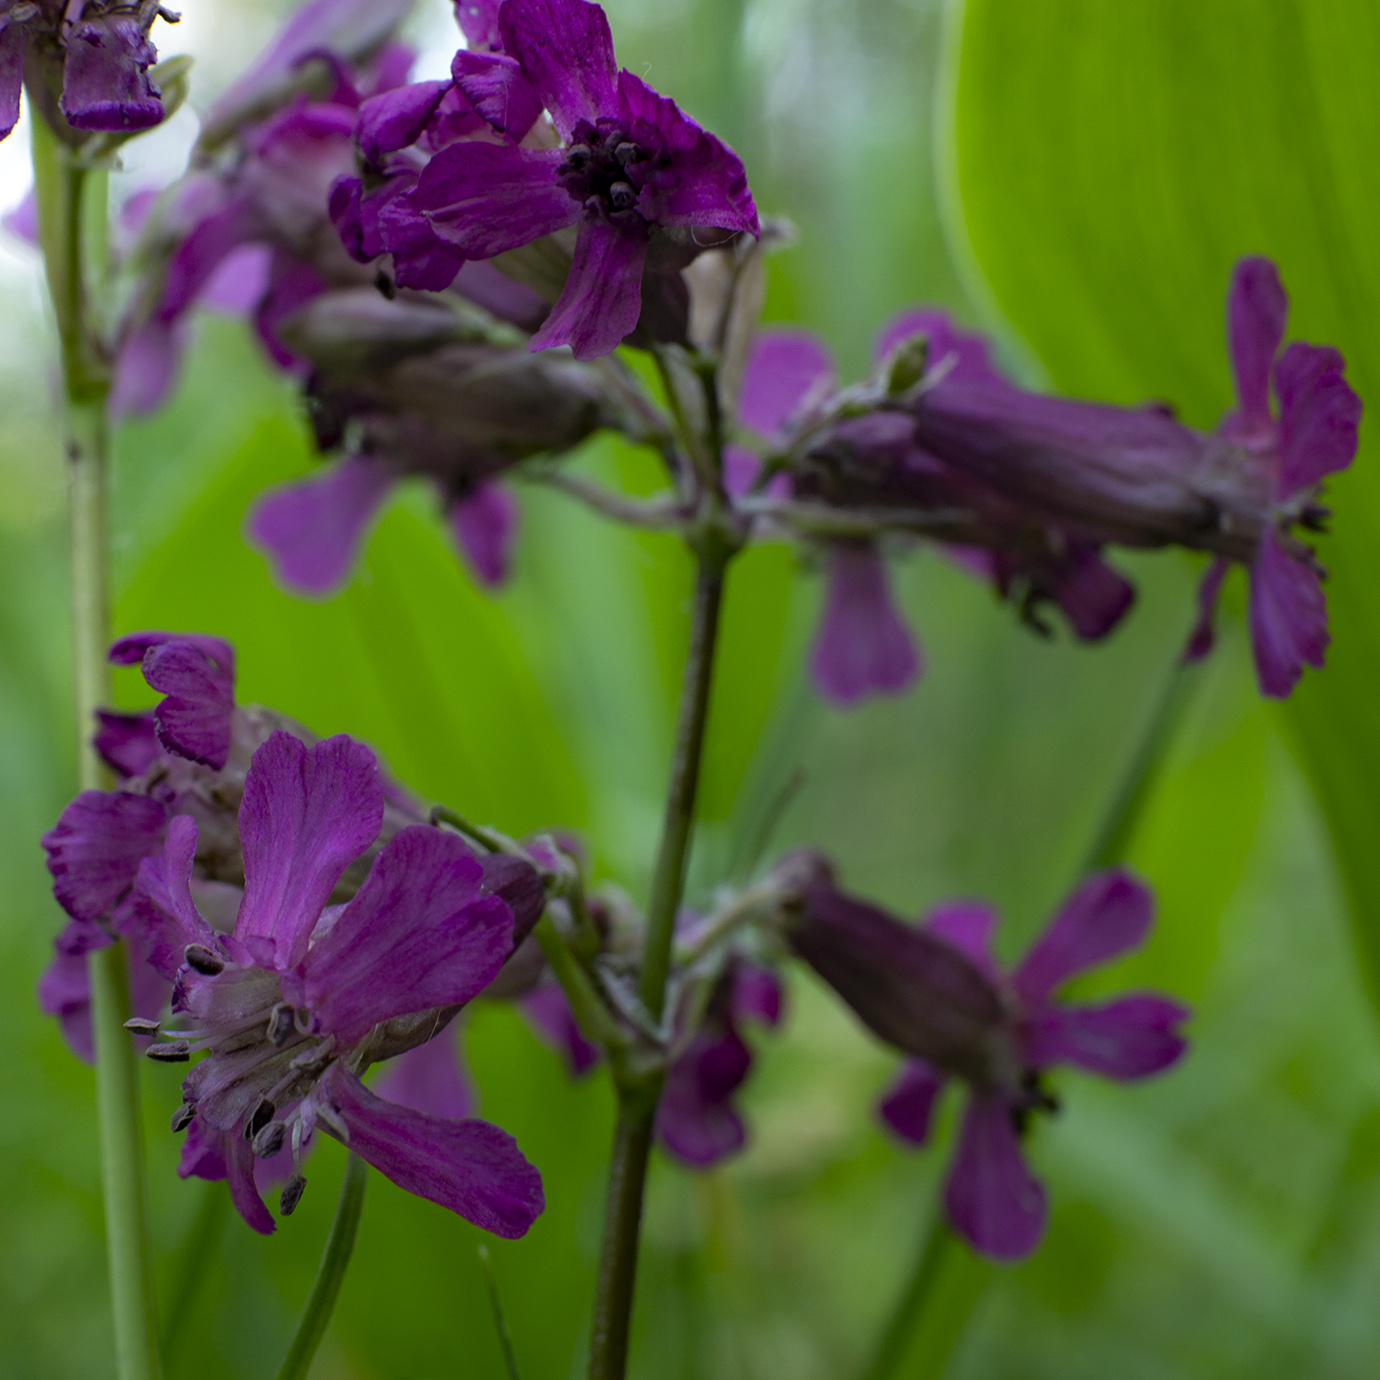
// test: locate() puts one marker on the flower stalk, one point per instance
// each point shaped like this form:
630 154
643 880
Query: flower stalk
66 191
330 1275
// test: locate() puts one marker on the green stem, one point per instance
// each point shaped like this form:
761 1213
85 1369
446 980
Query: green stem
1114 833
64 189
929 1266
330 1275
189 1270
632 1142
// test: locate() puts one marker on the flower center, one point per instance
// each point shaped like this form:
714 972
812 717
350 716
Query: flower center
603 169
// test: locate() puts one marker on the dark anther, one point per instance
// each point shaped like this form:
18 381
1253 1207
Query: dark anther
333 1122
182 1117
174 1052
141 1025
627 153
291 1195
623 195
302 1018
383 280
280 1023
207 963
270 1140
263 1114
577 157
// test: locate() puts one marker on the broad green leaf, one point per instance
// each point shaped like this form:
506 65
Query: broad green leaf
1110 163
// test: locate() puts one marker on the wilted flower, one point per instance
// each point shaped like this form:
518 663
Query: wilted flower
95 57
936 992
294 1003
642 182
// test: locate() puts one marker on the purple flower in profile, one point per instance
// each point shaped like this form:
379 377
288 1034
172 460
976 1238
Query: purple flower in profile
1313 434
936 992
696 1119
105 56
637 177
299 998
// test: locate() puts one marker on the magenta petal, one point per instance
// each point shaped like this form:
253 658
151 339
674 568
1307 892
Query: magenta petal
1318 416
478 21
22 221
547 1009
311 529
240 1164
908 1105
1093 596
470 1167
1288 617
428 1079
418 934
421 259
291 284
758 994
958 355
64 991
862 647
968 926
199 684
105 85
991 1197
396 119
1201 639
197 257
695 1118
1257 309
95 848
163 918
495 87
11 76
128 742
1110 913
146 368
485 526
702 181
202 1153
1126 1039
566 52
602 298
485 199
785 371
239 282
307 814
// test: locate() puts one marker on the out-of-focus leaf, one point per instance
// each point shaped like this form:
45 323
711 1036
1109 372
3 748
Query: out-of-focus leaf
1111 163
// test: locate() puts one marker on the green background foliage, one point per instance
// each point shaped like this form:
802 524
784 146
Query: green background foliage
1103 166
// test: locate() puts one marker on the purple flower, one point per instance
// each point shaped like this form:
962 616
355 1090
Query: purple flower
1138 477
1314 434
696 1119
104 57
299 998
636 176
936 992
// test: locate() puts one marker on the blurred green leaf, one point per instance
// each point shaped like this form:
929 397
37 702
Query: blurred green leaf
1111 163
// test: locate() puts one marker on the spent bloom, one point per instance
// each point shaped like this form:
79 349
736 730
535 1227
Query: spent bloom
936 992
292 1005
1139 477
91 59
642 184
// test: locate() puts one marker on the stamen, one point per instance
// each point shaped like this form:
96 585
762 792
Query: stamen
280 1023
141 1025
335 1123
263 1114
577 157
270 1140
203 960
182 1117
627 153
623 195
291 1195
174 1052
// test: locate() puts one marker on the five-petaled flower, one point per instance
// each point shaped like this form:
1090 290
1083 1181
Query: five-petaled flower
300 997
639 179
936 992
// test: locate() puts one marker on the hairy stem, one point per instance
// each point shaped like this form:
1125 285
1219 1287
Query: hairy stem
64 190
330 1275
632 1140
